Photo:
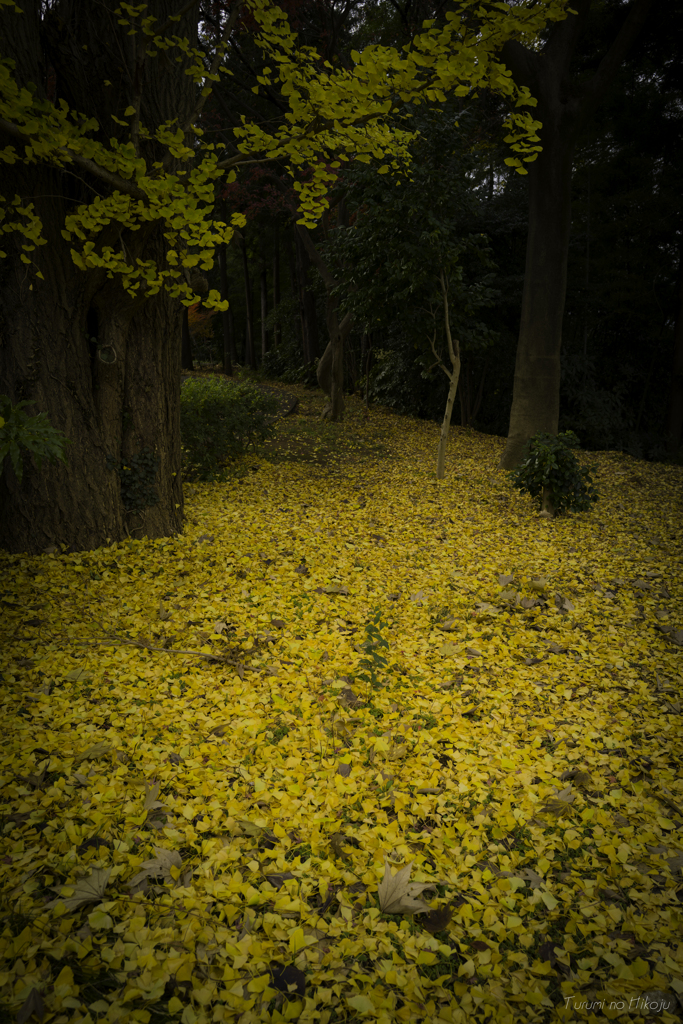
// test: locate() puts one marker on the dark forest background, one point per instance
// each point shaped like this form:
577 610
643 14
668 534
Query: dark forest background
621 375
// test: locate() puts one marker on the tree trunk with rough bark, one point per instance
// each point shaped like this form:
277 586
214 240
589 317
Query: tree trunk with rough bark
116 399
563 107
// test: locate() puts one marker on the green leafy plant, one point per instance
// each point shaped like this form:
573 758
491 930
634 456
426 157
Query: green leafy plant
33 433
550 471
373 663
219 420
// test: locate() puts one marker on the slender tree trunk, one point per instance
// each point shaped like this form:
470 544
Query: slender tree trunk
676 391
264 309
453 375
445 428
295 282
480 394
302 265
226 315
249 332
277 331
187 362
330 371
563 107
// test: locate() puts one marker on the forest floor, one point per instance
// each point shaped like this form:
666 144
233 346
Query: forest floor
359 745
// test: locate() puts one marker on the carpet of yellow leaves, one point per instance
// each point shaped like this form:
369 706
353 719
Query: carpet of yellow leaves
223 750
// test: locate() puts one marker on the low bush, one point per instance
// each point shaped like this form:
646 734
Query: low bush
219 421
550 472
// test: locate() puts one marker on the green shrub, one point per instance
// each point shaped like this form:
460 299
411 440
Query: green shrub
219 420
34 433
550 472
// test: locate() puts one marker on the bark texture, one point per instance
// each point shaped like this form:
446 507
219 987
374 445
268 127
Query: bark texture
563 107
114 413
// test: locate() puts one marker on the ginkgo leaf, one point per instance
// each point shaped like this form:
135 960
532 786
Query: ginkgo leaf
363 1004
335 588
86 890
397 894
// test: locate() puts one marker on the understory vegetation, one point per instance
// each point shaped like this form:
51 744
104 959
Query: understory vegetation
359 745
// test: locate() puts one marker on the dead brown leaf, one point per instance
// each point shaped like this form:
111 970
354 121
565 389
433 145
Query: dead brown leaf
397 894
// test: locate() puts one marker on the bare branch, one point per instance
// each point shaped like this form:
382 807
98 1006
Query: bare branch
611 62
215 63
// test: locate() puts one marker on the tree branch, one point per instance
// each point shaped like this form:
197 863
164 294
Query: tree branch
215 63
447 321
564 35
321 266
112 180
611 62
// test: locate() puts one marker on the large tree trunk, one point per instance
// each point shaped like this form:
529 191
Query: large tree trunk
536 391
563 107
112 412
117 399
